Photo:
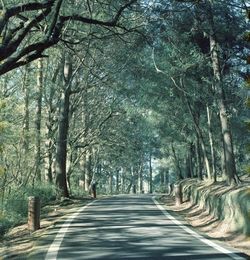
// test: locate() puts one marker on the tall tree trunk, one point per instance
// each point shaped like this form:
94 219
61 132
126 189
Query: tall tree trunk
198 156
134 180
51 128
223 161
110 183
191 159
82 176
202 142
88 169
63 127
177 163
117 181
150 174
49 159
38 119
26 120
161 177
211 141
140 178
122 173
165 174
224 120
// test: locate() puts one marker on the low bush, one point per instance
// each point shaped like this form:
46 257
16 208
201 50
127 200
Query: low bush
14 207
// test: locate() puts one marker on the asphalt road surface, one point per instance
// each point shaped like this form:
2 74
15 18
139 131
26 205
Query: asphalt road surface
132 228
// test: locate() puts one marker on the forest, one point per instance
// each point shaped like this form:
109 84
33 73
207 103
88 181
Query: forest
134 95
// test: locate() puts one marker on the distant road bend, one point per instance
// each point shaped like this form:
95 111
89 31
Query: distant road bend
133 228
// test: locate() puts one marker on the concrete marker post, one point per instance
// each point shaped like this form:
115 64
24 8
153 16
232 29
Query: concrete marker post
178 194
33 213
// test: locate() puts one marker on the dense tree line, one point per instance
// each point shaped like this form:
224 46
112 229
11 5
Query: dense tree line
133 95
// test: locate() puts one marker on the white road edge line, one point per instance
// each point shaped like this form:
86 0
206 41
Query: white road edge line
55 246
196 235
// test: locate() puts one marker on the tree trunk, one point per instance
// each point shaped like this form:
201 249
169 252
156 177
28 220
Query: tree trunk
150 174
198 156
38 119
63 127
165 178
202 142
140 179
122 180
49 160
223 161
191 160
88 169
229 158
51 128
110 183
133 175
117 181
177 163
26 121
211 141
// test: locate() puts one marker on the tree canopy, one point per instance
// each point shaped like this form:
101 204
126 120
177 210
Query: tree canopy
132 94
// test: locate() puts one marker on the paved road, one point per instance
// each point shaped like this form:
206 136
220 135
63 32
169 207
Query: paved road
132 228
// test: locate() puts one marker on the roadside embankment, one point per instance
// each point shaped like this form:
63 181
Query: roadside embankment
218 210
228 204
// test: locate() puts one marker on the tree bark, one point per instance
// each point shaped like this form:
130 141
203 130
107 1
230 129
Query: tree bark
88 169
110 183
140 178
202 142
150 174
51 128
211 141
117 181
63 127
38 119
198 156
26 120
229 157
177 163
49 142
122 173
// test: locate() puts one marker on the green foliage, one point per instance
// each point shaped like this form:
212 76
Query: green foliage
13 211
246 168
248 148
125 107
248 102
14 208
46 192
247 122
247 82
78 191
247 36
5 224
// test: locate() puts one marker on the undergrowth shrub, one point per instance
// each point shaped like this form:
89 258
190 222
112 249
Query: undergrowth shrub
5 224
14 207
46 192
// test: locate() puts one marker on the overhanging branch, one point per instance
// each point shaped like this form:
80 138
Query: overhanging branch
14 55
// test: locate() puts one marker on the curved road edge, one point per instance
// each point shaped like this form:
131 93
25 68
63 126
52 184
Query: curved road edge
196 235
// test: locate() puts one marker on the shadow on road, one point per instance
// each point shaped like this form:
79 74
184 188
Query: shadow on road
127 228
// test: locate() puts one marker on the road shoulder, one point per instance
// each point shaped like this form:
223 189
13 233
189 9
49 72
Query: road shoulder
205 224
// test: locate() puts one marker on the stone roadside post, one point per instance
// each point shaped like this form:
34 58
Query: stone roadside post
34 213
